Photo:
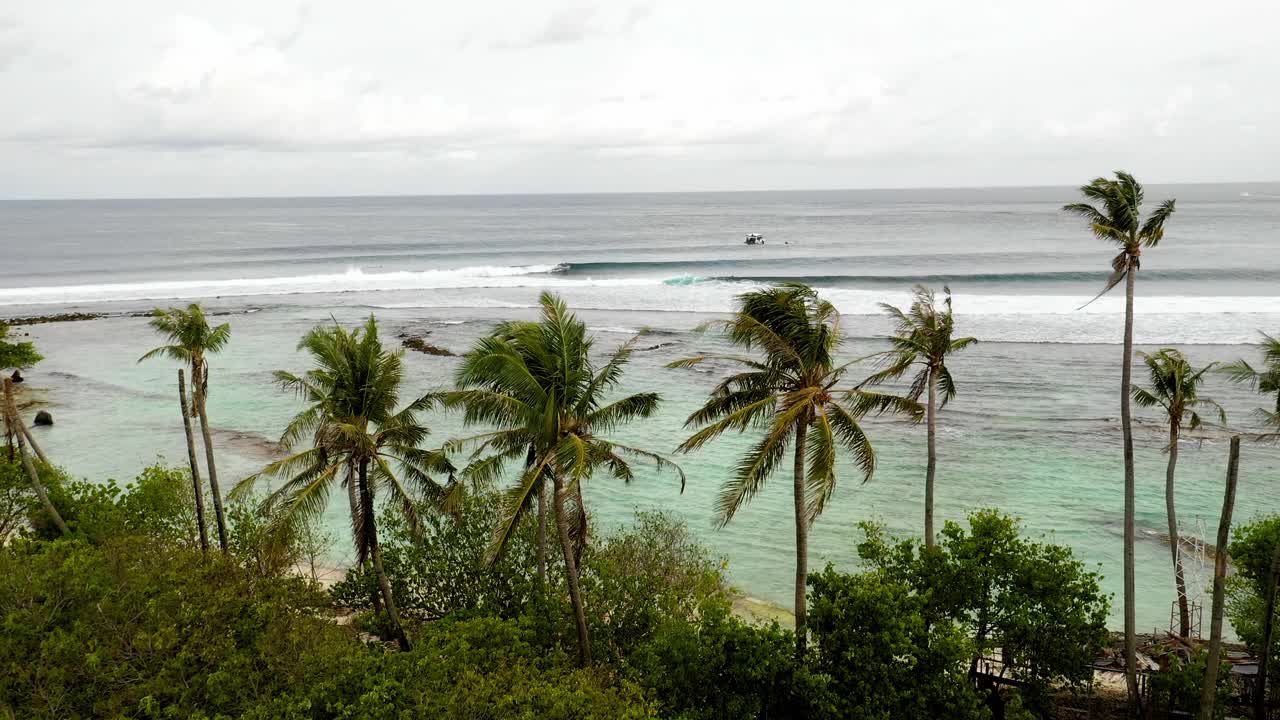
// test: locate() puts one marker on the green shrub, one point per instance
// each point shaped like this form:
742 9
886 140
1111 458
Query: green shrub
883 660
16 498
720 667
136 627
647 576
1178 689
1034 601
445 570
159 503
465 670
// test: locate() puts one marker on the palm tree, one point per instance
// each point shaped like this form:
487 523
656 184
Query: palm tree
1175 387
792 390
536 385
191 339
1117 219
1265 380
355 434
924 339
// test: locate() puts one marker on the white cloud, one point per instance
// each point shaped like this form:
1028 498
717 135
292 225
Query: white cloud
542 95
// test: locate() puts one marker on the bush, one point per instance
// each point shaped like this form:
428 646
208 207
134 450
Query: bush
159 504
720 667
16 498
134 627
465 670
644 577
1034 601
1178 689
445 570
883 659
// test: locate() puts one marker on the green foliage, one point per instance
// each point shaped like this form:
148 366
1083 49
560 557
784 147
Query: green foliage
1033 600
1115 216
189 335
1264 380
444 570
1251 550
794 385
883 659
923 340
1175 388
16 498
352 431
652 574
544 400
134 627
16 354
157 504
258 541
463 670
721 667
1178 688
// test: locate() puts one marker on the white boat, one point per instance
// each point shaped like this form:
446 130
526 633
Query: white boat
754 239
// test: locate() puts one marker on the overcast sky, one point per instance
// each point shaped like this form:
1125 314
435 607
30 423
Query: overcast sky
174 98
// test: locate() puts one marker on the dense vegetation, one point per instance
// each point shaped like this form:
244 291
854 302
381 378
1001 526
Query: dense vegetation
124 617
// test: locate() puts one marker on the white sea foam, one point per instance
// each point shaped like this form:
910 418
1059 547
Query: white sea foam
1021 318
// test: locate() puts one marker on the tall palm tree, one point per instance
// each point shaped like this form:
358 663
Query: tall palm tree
1117 218
1265 380
355 435
537 386
923 340
1175 387
792 390
191 340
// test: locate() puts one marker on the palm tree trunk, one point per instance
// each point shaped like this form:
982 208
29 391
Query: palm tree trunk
35 446
802 539
1175 540
932 467
542 522
15 426
375 553
200 379
195 466
571 571
542 534
353 500
1130 614
1268 636
1209 689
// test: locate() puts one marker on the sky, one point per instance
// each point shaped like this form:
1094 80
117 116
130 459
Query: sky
165 98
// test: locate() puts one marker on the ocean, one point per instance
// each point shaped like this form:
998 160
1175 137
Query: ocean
1034 430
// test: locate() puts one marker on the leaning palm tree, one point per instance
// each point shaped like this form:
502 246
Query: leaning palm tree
923 340
1265 380
792 391
1117 219
355 435
190 340
1175 388
536 386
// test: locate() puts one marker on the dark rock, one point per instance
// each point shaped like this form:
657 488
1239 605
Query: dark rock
43 418
62 317
16 377
415 342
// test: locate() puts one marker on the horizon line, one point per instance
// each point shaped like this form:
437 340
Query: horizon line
920 188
